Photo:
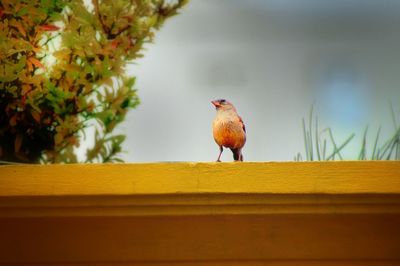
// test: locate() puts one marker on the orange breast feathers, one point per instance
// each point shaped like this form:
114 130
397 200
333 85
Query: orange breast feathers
229 131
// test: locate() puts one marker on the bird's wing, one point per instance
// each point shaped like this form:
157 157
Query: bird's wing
241 122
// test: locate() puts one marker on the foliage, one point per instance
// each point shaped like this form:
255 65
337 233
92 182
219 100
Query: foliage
322 146
62 70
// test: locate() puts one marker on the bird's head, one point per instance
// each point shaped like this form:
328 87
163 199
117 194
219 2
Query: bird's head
222 104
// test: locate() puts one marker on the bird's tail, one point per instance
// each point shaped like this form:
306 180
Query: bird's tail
237 154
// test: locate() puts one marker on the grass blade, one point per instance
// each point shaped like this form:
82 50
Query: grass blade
305 140
317 145
374 151
341 147
310 132
362 155
393 116
395 142
389 144
334 145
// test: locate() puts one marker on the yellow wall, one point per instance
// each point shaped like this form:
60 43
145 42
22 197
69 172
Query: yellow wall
163 178
336 213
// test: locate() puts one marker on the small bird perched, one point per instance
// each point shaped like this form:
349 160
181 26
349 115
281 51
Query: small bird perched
228 129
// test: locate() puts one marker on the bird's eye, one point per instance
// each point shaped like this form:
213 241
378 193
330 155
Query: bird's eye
222 101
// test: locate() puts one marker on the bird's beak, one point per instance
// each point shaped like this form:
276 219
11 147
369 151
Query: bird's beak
216 103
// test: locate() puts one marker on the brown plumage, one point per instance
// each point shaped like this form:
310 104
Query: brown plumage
228 129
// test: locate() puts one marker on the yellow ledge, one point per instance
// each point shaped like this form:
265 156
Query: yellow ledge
199 188
167 178
317 213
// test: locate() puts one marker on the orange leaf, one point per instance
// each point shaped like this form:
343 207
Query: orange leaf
18 142
30 67
26 88
114 43
17 24
73 141
13 120
49 27
20 28
36 62
128 18
35 115
58 138
26 19
36 49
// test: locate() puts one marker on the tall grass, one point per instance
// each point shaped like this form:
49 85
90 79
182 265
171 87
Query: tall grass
320 145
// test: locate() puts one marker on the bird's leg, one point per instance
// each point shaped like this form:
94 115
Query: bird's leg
220 152
236 154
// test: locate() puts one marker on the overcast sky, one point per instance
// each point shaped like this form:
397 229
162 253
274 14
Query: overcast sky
272 60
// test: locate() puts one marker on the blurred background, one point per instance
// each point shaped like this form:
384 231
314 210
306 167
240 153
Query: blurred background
273 59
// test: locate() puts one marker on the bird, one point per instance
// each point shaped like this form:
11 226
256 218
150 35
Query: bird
229 130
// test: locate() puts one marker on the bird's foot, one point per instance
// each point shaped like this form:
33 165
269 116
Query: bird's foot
218 161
